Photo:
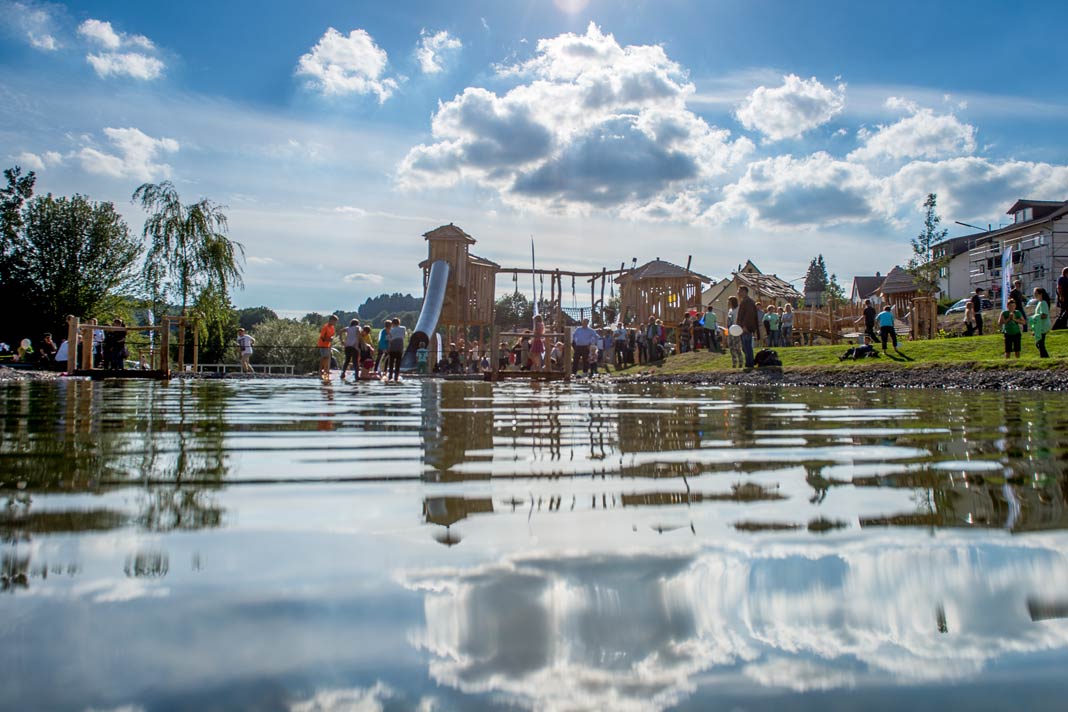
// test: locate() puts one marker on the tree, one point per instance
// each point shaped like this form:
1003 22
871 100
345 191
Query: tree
188 248
816 281
78 257
924 266
217 324
287 341
18 190
248 318
836 295
512 311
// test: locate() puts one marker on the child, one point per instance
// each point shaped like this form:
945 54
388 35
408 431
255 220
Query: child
326 338
1010 322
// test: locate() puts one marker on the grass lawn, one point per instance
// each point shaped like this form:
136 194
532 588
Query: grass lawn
976 351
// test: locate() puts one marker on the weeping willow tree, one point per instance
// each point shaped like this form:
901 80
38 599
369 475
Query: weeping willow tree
188 249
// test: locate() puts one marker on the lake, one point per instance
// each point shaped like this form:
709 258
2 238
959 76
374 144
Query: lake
290 545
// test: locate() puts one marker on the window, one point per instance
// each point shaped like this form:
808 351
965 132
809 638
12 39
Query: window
1023 215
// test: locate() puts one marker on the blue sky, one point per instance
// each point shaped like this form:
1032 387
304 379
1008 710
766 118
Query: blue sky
337 133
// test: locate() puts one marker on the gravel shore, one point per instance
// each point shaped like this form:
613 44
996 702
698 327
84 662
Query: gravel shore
955 376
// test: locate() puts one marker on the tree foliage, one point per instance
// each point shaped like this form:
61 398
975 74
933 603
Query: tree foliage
250 317
217 323
188 250
924 266
513 311
287 341
384 306
836 295
816 278
76 257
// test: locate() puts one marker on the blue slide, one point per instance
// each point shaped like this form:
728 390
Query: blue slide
428 317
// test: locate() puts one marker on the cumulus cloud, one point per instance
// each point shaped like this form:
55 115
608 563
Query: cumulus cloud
590 123
115 62
353 64
37 162
363 278
434 48
31 22
131 64
923 134
136 155
788 111
788 192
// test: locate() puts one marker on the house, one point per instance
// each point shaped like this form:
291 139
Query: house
1038 237
867 288
763 288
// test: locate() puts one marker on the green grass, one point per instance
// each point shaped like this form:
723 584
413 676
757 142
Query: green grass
979 352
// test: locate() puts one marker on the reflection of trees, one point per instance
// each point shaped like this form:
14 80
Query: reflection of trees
147 564
164 509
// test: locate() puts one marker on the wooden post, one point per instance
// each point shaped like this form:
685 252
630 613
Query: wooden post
495 355
593 297
604 278
72 343
568 355
196 348
87 348
181 343
165 347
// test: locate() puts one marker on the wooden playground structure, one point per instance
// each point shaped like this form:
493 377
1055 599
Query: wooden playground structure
658 289
155 361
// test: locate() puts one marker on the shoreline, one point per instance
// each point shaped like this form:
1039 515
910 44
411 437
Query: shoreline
959 376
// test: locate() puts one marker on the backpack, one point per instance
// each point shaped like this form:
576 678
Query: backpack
767 358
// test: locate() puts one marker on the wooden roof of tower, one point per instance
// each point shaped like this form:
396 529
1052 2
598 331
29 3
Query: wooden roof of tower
898 281
449 232
659 269
767 285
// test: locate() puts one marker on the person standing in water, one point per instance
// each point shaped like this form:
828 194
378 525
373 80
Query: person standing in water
326 339
244 347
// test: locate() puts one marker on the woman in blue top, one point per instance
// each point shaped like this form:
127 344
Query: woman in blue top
886 327
1040 323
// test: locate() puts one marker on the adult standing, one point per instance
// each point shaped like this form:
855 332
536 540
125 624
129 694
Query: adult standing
396 350
969 318
771 320
244 347
352 347
977 305
1011 321
747 318
1062 298
582 339
620 337
886 327
1040 321
326 340
869 319
115 346
383 343
786 326
98 344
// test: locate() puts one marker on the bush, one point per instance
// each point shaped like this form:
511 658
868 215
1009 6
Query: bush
287 341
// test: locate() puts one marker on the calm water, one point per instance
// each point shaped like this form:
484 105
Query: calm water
453 546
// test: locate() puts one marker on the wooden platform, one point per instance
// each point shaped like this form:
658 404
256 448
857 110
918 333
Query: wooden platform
99 374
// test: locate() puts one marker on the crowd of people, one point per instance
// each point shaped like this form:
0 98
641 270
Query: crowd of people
108 350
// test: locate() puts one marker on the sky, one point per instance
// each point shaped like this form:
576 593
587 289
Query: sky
336 134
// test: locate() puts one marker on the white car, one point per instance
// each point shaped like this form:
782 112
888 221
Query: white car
959 307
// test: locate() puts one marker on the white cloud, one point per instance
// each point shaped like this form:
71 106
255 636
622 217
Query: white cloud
351 700
786 192
788 111
434 48
136 157
101 33
112 61
132 64
363 278
32 22
595 124
924 134
37 162
341 65
262 260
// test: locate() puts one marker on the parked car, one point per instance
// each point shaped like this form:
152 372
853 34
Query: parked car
959 307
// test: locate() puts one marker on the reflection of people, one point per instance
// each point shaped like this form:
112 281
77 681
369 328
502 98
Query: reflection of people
1010 322
244 347
1040 322
326 338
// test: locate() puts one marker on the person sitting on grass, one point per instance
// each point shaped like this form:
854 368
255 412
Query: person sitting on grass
857 352
1011 321
886 327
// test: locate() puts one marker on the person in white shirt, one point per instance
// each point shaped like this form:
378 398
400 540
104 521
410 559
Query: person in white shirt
244 346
